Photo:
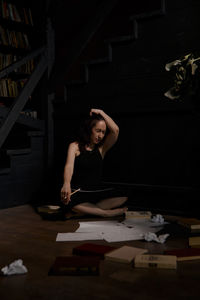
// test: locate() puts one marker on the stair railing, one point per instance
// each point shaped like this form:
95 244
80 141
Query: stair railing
9 120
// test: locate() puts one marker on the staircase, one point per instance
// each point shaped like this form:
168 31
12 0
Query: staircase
26 143
22 169
116 30
121 37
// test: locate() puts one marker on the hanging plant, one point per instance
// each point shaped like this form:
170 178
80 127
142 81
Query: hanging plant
187 76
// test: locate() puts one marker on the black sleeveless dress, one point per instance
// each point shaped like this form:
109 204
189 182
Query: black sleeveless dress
87 170
87 176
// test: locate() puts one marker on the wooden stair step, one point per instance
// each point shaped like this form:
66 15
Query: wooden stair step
4 171
148 15
35 133
24 119
18 151
120 39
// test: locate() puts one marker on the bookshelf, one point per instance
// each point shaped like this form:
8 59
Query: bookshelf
16 31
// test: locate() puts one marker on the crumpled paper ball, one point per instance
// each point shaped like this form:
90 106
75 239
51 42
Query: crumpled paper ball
158 219
15 267
151 236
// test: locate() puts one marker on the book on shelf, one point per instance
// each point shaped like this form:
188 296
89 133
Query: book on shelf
11 16
191 223
3 36
30 17
10 11
194 242
184 253
4 9
15 39
17 15
29 113
124 254
90 249
6 60
155 261
11 88
75 265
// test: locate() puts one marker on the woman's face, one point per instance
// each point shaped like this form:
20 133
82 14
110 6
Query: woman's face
98 132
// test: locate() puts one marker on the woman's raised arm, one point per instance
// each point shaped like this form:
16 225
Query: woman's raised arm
113 129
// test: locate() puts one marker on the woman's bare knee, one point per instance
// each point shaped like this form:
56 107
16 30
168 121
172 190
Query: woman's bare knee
90 209
111 203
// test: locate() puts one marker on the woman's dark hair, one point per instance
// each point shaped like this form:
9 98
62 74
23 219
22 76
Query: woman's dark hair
85 130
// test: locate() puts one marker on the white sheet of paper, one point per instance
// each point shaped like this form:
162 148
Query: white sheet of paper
114 231
143 223
111 231
122 234
98 227
76 236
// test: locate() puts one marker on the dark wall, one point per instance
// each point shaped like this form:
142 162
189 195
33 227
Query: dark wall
158 142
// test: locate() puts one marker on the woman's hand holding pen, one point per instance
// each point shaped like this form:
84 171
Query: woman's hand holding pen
66 193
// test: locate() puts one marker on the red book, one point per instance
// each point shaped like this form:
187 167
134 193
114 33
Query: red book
185 253
75 265
91 249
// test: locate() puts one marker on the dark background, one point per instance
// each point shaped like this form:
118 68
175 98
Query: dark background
158 146
101 63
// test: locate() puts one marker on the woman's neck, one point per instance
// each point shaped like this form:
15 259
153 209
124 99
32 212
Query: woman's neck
90 147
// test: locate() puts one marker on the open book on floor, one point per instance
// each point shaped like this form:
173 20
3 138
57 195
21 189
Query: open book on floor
51 209
50 212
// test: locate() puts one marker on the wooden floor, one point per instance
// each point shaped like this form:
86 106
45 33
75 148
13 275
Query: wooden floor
25 235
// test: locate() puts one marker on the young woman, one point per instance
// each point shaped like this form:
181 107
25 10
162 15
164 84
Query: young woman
83 169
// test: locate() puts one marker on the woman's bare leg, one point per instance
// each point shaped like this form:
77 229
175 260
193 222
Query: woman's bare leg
92 209
110 203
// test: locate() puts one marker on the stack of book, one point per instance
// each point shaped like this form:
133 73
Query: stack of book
194 242
192 224
156 261
184 253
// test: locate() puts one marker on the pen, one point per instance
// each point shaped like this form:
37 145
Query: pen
75 191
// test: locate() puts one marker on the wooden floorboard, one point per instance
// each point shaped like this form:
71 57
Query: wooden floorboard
25 235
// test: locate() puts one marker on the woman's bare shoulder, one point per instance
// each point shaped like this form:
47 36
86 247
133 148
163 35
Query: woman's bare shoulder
74 147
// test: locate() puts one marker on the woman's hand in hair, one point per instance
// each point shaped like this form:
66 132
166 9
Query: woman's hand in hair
96 111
